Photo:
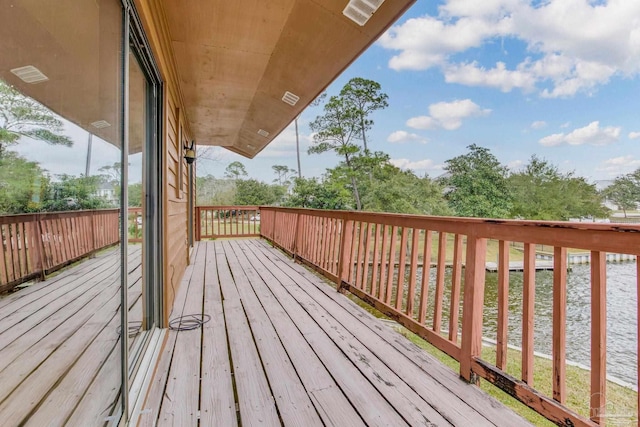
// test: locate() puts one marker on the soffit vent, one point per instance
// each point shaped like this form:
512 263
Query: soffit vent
290 98
100 124
30 74
250 147
359 11
263 132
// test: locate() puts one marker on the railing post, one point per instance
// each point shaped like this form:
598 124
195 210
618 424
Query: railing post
346 236
93 230
198 227
472 306
273 225
295 237
42 249
38 249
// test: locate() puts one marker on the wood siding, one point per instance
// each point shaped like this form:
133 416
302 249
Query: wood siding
174 126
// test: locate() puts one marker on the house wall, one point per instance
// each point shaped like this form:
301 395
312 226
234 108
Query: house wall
174 168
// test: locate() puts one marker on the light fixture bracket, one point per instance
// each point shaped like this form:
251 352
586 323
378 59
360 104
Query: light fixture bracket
190 153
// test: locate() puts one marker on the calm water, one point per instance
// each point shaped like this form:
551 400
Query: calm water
621 314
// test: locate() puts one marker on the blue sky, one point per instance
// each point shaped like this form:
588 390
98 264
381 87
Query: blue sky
557 78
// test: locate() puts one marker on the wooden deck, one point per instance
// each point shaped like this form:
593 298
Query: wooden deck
282 347
59 346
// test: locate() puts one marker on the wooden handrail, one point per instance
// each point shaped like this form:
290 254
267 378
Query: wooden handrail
34 245
214 222
368 254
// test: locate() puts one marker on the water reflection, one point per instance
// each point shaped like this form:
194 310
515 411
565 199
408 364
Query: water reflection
621 315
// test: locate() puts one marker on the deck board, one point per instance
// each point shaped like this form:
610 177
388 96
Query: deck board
59 344
297 352
480 401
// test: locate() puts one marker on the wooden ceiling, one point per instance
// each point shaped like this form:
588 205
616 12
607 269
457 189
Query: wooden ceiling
79 52
236 59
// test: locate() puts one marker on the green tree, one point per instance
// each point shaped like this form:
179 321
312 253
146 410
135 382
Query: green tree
542 192
624 193
336 130
214 191
315 194
283 174
135 195
477 184
22 184
365 96
235 171
254 192
21 116
72 193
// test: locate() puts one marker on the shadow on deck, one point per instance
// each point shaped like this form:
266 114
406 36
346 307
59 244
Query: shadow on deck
284 348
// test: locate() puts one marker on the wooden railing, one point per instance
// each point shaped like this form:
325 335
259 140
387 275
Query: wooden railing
33 245
227 221
386 260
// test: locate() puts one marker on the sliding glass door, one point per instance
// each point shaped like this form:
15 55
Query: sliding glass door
143 197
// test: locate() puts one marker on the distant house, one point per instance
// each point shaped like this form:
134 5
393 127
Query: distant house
602 185
107 191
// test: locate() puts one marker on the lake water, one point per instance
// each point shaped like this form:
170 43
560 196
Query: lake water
621 314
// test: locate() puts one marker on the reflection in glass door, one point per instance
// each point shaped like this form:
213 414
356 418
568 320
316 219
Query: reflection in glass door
143 190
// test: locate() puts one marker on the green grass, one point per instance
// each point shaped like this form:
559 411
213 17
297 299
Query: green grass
623 400
231 226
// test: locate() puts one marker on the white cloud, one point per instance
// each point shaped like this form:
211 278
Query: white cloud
284 145
619 165
591 134
565 125
401 136
447 115
634 135
515 164
574 45
499 77
539 124
418 165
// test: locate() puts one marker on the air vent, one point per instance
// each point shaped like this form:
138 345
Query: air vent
359 11
30 74
290 98
263 132
100 124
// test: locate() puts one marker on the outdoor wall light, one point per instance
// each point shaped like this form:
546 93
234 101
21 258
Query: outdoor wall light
190 153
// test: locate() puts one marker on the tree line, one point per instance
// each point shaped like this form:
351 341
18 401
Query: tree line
473 184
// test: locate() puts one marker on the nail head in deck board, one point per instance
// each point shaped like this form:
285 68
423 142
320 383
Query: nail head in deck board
294 405
484 404
383 358
332 405
183 386
155 395
217 405
373 408
44 375
256 403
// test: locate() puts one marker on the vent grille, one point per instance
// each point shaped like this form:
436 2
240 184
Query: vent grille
263 132
30 74
290 98
100 124
359 11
